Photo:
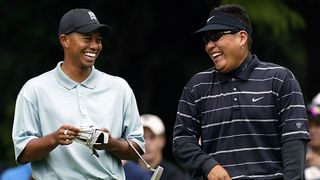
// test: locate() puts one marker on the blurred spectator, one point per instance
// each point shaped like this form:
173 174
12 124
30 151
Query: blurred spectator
21 172
312 171
134 171
155 139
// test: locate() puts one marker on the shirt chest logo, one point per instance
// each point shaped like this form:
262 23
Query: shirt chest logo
257 99
299 125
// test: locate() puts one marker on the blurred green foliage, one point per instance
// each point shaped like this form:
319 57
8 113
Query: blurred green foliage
276 34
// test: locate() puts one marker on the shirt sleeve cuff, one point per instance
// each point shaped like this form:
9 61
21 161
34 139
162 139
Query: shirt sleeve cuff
208 165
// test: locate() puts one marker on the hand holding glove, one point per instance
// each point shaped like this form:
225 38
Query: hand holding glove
90 136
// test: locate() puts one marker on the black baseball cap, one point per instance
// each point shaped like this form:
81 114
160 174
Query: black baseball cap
223 21
82 21
313 109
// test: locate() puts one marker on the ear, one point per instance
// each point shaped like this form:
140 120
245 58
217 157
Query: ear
64 41
243 38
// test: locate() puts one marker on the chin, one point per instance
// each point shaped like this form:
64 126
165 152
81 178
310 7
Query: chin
314 144
147 157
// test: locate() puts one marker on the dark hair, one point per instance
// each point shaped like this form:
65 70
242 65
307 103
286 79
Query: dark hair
238 12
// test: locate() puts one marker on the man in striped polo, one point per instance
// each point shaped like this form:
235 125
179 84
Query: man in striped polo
250 115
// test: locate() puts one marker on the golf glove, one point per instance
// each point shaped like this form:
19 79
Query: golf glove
90 136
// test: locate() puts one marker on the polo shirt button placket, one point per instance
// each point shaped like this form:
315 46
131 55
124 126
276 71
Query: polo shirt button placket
236 112
81 103
235 102
235 99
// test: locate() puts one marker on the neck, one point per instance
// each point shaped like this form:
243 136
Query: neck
156 161
75 73
244 57
241 65
316 150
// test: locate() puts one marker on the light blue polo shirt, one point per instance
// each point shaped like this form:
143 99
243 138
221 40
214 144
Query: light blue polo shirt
52 99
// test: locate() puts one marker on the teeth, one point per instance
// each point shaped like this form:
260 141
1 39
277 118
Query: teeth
216 54
90 54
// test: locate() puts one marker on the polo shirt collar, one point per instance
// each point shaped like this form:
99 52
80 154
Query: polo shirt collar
243 72
68 83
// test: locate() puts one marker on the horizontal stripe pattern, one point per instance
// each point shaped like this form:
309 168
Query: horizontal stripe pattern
244 119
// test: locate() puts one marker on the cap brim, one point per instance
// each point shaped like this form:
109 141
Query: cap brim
104 29
214 27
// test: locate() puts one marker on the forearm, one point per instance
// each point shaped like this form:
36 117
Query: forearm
121 149
190 155
293 153
37 149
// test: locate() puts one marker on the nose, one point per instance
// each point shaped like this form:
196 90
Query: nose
95 44
210 45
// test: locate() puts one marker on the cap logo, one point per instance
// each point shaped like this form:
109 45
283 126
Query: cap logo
92 16
210 18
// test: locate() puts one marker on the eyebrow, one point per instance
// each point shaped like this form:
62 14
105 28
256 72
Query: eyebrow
85 34
90 34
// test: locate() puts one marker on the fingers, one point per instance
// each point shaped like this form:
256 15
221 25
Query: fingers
105 130
66 134
218 173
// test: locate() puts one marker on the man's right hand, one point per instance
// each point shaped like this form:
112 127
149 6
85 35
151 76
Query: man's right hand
65 134
218 173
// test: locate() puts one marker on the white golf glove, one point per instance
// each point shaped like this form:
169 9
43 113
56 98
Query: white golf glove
90 136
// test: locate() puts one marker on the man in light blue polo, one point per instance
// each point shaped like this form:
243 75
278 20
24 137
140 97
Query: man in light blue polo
51 108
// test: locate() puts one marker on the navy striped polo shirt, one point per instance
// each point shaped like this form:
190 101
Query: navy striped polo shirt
243 117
